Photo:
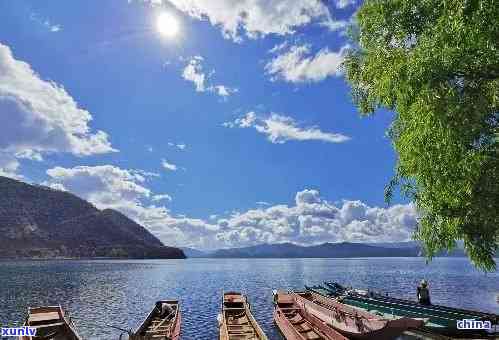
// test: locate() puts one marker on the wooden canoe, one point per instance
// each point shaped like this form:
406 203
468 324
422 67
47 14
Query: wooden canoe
51 323
296 323
236 320
459 313
440 319
160 327
353 322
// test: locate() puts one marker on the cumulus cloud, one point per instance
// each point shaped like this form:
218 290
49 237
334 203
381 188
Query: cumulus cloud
39 116
168 166
111 187
297 65
280 129
194 73
314 220
256 18
105 186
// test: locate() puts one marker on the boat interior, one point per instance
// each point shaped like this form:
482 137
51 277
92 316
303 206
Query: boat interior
238 322
160 327
50 324
294 315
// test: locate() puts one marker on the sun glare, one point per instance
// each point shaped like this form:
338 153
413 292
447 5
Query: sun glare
167 25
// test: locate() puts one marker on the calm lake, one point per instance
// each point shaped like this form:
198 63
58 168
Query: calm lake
121 292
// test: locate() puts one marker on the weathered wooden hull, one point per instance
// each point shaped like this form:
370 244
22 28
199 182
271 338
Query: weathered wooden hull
52 323
296 323
160 328
236 320
359 324
177 329
352 322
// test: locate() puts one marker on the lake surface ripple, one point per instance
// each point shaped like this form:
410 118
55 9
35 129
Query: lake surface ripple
121 292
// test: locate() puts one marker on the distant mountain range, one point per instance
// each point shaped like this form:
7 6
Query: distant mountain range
325 250
192 253
40 222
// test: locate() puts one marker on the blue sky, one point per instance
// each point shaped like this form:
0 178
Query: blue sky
243 113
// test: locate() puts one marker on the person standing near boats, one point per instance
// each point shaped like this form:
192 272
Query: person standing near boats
423 293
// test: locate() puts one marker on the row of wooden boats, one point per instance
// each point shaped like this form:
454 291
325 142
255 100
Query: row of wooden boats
307 315
53 323
329 312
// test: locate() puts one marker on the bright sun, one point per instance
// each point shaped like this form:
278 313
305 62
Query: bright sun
167 24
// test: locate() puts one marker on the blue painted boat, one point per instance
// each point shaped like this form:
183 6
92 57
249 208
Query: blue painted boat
440 319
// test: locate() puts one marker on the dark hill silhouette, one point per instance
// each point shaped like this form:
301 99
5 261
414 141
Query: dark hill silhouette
41 222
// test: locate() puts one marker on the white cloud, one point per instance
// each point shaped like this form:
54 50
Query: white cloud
9 165
151 2
314 220
29 154
256 18
297 65
178 146
194 73
168 166
223 91
344 3
53 28
307 197
280 129
162 197
310 220
46 23
108 186
338 25
279 47
39 116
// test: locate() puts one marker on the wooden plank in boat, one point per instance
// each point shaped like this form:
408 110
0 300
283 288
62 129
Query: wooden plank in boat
236 320
48 325
47 316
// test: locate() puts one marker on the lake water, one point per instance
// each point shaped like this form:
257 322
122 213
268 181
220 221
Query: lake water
121 292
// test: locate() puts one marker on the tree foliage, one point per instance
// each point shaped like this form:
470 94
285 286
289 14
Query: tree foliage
436 65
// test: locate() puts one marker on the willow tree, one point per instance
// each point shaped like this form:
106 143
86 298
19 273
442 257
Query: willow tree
435 64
